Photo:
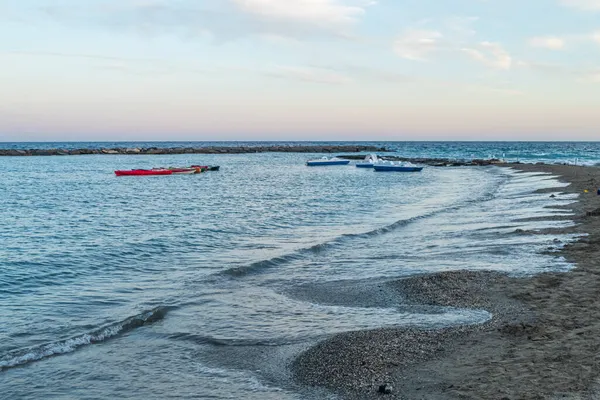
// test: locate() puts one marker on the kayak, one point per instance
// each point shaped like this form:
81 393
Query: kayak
184 171
203 168
143 172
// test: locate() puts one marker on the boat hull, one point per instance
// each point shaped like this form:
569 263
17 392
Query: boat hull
395 168
143 172
364 165
326 163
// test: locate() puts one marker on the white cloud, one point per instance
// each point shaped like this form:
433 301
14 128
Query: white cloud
218 20
417 44
588 5
548 42
490 54
596 37
318 12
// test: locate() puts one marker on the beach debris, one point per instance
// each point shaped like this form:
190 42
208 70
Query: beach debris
594 213
385 389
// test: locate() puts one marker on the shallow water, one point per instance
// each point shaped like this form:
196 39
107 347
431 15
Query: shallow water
185 286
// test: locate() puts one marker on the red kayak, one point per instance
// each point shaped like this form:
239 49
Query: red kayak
141 172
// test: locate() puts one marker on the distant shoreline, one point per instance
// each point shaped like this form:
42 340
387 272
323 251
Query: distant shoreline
192 150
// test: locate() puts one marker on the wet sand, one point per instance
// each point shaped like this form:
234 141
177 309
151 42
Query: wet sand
543 341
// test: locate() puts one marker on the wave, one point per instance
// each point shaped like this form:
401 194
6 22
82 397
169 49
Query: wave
266 342
261 266
25 356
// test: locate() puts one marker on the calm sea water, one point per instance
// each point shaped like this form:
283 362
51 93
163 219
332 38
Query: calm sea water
205 286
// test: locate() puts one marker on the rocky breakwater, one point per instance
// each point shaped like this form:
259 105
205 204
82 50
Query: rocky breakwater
192 150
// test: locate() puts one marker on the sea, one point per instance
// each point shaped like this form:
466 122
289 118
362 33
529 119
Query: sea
207 286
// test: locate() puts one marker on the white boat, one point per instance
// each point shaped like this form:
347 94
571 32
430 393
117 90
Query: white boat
327 161
390 166
368 162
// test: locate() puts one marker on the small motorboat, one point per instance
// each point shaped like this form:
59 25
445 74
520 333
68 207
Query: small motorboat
368 161
327 161
143 172
390 166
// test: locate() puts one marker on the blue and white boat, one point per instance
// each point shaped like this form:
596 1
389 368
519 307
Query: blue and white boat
327 161
390 166
368 162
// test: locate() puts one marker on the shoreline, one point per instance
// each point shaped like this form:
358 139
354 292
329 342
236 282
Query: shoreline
542 341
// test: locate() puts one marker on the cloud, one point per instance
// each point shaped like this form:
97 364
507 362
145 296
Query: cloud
547 42
490 54
221 20
318 12
417 44
457 38
587 5
596 37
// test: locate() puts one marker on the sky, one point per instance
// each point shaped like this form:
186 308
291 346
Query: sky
299 70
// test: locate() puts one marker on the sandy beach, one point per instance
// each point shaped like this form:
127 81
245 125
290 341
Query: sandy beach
542 342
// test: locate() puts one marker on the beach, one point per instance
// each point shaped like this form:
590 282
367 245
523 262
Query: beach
542 341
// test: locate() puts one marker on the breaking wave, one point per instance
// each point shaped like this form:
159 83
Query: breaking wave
25 356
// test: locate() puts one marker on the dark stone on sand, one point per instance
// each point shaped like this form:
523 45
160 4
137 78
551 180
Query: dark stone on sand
594 213
385 389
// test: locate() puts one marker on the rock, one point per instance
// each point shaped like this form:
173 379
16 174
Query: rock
109 151
132 151
552 196
385 389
